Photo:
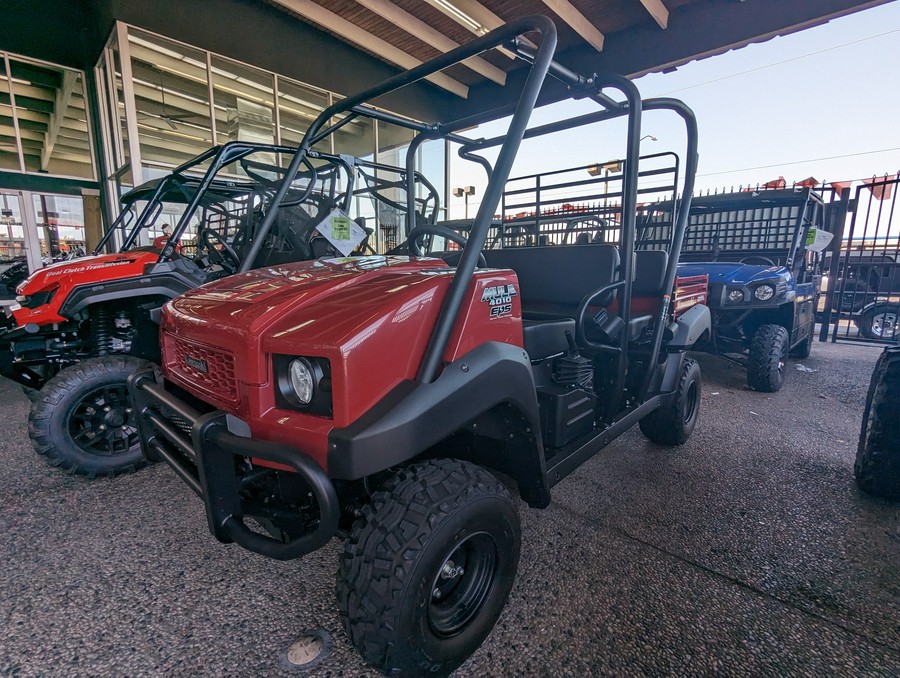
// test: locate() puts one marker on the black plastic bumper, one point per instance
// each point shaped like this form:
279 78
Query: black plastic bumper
205 460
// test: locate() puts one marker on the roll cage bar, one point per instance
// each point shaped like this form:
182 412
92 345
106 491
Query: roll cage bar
540 64
195 190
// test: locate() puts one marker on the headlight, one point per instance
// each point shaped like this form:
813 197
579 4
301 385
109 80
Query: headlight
301 380
764 292
302 383
736 296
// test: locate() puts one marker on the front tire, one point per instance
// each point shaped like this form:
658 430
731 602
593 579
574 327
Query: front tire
673 424
427 569
82 420
877 467
768 358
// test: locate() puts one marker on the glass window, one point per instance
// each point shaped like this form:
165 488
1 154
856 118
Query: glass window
60 221
9 146
244 103
298 106
431 162
52 117
12 238
356 138
393 143
171 96
124 151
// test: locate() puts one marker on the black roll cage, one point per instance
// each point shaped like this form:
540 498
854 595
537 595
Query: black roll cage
540 64
195 189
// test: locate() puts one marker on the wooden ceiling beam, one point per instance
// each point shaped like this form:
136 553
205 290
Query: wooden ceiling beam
566 11
362 38
473 16
658 11
418 28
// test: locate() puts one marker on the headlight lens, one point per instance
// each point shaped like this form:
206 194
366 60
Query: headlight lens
302 383
764 292
736 296
301 380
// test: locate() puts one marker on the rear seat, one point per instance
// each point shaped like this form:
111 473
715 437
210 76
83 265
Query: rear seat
649 280
552 283
554 280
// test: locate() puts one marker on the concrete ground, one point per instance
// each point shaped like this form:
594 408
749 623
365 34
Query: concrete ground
749 551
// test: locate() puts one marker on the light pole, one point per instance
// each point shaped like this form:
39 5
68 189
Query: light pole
464 192
605 169
6 218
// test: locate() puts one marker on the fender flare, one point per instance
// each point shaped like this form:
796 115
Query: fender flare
167 286
690 326
415 416
875 304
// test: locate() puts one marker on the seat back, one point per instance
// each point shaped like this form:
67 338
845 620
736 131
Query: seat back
649 273
558 275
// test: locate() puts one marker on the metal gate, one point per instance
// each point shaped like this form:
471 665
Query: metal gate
862 300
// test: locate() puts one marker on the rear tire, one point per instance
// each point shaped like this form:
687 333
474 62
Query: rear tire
804 349
673 424
427 569
82 420
880 322
877 467
768 358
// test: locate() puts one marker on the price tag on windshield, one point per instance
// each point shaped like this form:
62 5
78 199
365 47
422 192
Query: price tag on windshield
342 232
340 228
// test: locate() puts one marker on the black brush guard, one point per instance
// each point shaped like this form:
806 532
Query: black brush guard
206 460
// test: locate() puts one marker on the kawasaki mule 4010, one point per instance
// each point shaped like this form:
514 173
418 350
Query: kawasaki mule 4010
95 318
383 399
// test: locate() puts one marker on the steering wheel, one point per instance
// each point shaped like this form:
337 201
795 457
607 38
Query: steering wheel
756 259
227 258
441 231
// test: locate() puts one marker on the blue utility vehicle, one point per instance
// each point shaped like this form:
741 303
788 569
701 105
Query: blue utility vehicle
762 253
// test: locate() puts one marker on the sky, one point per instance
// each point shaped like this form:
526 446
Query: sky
822 102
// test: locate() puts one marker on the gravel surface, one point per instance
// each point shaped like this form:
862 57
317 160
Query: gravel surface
748 551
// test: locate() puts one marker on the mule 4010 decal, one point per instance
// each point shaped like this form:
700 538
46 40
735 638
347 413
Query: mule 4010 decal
499 298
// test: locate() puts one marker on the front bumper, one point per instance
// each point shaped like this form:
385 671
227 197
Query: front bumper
205 454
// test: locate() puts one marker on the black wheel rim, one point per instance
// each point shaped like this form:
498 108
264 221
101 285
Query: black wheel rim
462 584
691 399
103 423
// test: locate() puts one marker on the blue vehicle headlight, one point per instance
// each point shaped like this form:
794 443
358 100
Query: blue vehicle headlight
764 292
736 296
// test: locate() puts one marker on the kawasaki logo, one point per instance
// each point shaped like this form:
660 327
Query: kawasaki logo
197 363
499 298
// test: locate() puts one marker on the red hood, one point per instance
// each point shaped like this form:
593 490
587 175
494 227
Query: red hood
283 304
66 275
88 269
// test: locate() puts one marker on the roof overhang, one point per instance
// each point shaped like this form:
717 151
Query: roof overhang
348 45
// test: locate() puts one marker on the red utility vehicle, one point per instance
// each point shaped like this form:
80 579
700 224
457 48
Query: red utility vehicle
391 400
81 327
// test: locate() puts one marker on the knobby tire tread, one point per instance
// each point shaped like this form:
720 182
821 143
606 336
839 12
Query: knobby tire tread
54 392
766 351
379 555
877 466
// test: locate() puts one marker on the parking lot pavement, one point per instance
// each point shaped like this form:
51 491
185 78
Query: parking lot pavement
747 551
